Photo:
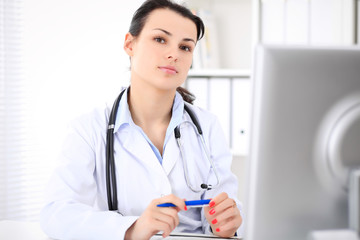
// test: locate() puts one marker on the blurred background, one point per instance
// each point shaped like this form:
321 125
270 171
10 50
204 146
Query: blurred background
62 58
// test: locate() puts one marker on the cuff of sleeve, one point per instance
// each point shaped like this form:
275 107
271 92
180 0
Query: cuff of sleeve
130 221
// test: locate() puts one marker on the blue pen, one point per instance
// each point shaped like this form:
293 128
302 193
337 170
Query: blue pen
192 203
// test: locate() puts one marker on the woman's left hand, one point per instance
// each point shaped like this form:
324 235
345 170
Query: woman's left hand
223 215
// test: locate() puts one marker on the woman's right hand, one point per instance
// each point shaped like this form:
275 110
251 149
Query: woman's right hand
155 219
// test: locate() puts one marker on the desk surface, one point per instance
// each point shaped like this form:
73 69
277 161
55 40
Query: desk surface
21 230
16 230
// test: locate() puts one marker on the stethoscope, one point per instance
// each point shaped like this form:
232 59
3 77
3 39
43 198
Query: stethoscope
110 163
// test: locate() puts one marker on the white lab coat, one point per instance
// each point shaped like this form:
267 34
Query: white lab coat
76 206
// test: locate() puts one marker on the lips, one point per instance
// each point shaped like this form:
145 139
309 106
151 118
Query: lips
168 69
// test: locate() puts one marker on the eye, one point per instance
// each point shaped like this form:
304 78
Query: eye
185 48
159 40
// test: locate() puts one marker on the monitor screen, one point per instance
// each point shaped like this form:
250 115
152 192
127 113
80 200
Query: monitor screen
305 141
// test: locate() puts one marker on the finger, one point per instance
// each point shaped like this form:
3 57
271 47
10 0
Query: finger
168 221
213 212
146 226
180 203
227 203
228 226
162 226
227 215
206 208
172 212
218 199
167 217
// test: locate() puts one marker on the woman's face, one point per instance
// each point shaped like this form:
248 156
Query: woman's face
161 55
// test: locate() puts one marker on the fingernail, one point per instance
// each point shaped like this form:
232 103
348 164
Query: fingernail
211 204
212 211
185 208
218 230
214 221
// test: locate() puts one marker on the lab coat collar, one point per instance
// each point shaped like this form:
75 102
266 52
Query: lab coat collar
171 152
176 117
123 115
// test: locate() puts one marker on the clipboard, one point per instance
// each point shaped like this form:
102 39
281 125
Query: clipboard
190 236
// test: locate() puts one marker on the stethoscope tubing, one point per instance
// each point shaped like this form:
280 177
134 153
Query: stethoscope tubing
111 187
110 163
207 153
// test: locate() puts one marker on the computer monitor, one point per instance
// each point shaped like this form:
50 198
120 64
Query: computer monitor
305 141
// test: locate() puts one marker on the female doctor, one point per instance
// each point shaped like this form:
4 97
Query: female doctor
151 166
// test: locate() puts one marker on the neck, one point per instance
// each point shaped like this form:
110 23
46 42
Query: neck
151 106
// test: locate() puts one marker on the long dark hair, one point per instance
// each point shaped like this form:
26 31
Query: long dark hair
141 15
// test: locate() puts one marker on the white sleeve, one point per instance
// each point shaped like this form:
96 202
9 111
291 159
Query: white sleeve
222 158
69 212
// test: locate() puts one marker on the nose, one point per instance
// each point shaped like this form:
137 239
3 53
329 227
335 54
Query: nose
172 58
173 55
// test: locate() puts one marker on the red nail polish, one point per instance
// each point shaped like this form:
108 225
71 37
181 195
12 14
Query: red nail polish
218 229
185 208
212 211
214 221
211 204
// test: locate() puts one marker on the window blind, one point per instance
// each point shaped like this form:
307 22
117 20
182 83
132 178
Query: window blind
20 196
52 69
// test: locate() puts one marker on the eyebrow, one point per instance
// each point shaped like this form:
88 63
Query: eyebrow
170 34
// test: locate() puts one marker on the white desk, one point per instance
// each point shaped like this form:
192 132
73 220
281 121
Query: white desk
16 230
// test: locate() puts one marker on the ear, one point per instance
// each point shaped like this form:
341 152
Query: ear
128 44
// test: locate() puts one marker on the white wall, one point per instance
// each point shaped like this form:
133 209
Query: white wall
74 56
304 22
239 168
233 22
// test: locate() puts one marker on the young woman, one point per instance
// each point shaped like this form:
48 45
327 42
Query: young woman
151 166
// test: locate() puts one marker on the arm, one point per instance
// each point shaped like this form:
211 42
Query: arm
69 212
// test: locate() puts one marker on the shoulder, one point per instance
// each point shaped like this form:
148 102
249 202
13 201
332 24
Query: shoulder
204 116
92 124
213 133
96 117
208 121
